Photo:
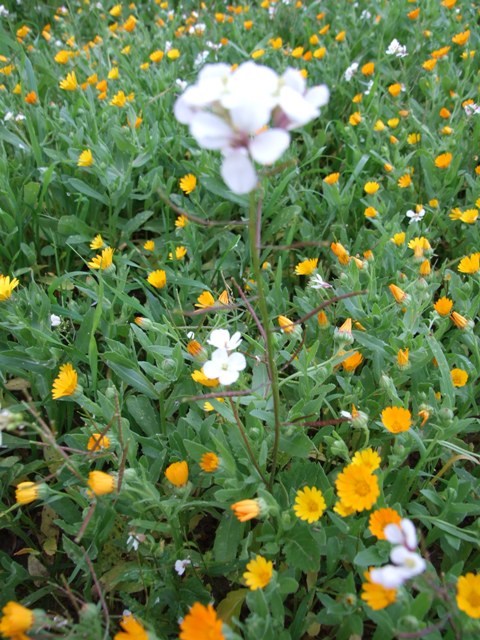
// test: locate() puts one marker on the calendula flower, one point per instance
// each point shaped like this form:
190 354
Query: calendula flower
188 183
16 619
399 295
395 89
419 245
103 260
404 181
371 187
380 518
459 377
258 574
342 510
181 222
396 419
130 24
246 509
285 324
398 238
402 358
355 118
7 285
309 504
205 300
31 98
468 594
368 68
177 473
132 629
307 267
180 253
70 82
352 362
97 442
443 306
368 458
443 160
157 279
209 462
149 245
357 487
461 38
340 251
332 178
470 264
26 492
377 596
85 159
199 376
65 384
194 348
201 623
458 320
119 99
101 483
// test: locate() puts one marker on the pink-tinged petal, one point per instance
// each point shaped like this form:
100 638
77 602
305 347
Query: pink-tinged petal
239 173
210 131
237 362
267 147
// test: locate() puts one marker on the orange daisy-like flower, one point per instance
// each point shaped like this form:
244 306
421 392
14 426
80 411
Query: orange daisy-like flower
16 619
209 462
443 160
132 630
307 267
65 384
97 442
375 595
177 473
368 458
470 264
396 419
443 306
201 623
357 487
246 509
379 520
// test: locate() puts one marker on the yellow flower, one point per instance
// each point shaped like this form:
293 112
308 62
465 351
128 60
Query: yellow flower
398 238
379 125
458 320
177 473
414 138
205 300
180 253
130 23
97 242
393 123
370 212
209 462
404 181
402 358
275 43
258 53
399 295
443 160
181 222
459 377
63 56
258 574
132 629
26 492
468 594
340 37
352 362
15 621
461 38
188 183
173 54
31 98
322 320
343 510
368 68
429 65
368 458
332 178
119 99
379 520
285 324
357 487
355 118
101 483
469 216
70 82
377 596
443 306
246 509
199 376
413 15
102 261
371 187
396 419
97 442
307 267
395 89
149 245
425 268
7 286
194 348
309 504
433 203
470 264
297 52
440 53
157 279
65 384
116 10
419 245
85 159
201 623
340 251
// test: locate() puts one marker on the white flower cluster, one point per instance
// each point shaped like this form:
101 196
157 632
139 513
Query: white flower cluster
351 71
247 115
224 365
396 49
406 562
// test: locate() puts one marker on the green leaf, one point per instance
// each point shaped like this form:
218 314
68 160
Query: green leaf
86 190
231 605
228 537
302 551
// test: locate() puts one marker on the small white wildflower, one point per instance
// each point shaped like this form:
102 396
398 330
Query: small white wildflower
181 83
351 71
190 335
369 88
19 117
220 338
317 282
415 216
55 321
3 11
365 15
403 533
224 366
181 565
396 49
9 115
200 58
472 109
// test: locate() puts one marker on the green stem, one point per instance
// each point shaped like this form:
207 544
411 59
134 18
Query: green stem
255 242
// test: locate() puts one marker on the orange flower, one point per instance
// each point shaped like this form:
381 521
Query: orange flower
246 509
399 295
443 306
443 160
177 473
459 321
368 69
379 520
396 419
201 623
31 98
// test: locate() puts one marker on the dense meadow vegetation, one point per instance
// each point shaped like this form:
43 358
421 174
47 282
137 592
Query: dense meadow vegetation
239 296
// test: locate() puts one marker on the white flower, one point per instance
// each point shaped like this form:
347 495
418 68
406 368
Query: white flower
403 533
181 83
415 216
220 338
19 118
411 563
8 116
351 71
369 88
396 49
200 58
181 565
317 282
389 576
55 321
472 109
224 366
365 15
3 11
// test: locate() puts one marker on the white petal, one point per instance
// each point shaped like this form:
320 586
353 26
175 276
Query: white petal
267 147
318 96
209 71
227 376
210 131
293 78
239 173
250 116
219 338
212 369
393 534
234 341
220 357
409 533
182 111
412 563
388 576
294 105
237 362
